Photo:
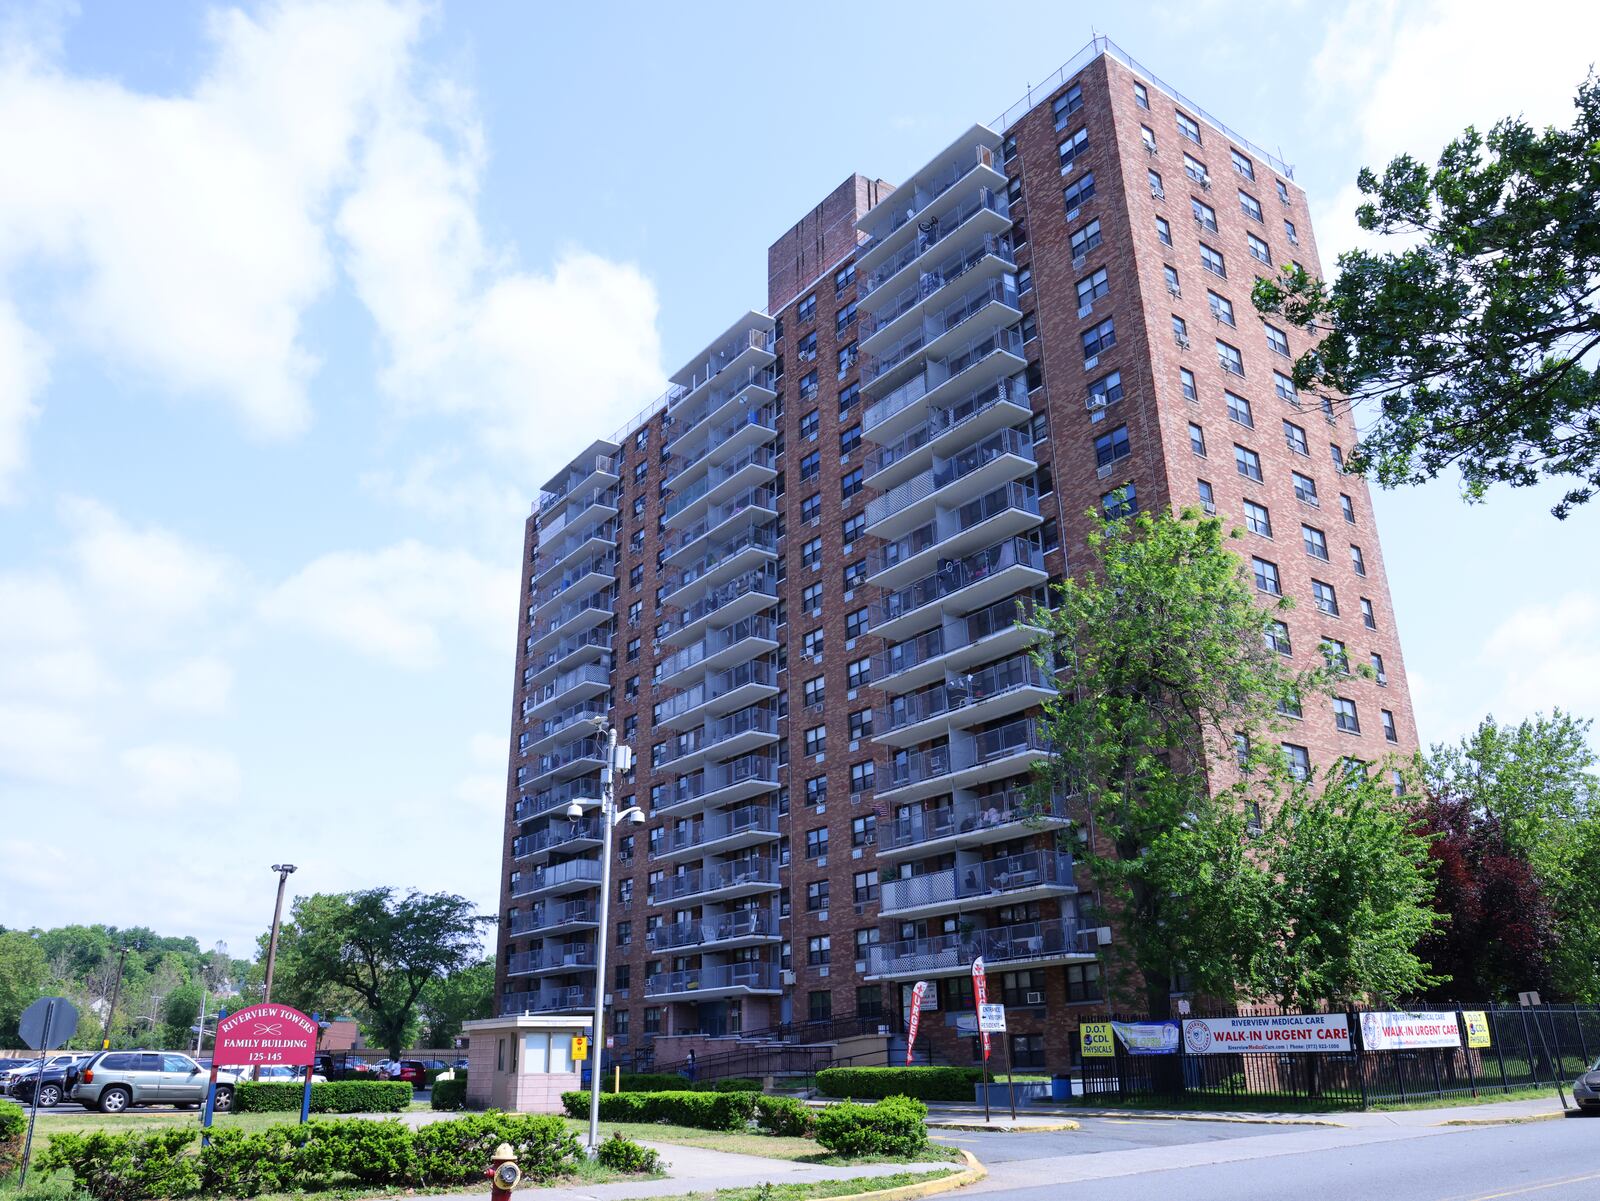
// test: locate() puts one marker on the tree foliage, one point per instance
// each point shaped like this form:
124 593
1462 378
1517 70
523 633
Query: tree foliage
382 948
1474 341
445 1003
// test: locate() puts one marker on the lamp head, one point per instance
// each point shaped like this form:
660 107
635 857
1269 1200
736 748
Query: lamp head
286 869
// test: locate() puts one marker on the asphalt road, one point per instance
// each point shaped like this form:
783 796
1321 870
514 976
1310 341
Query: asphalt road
1128 1159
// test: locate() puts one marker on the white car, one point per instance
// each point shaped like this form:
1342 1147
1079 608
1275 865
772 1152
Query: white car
283 1074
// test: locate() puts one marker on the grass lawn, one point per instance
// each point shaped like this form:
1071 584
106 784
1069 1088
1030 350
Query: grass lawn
86 1121
741 1142
806 1192
1545 1092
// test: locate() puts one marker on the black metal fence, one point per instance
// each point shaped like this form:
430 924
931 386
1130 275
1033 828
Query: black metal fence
1529 1046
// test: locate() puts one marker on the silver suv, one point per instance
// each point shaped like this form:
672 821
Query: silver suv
114 1080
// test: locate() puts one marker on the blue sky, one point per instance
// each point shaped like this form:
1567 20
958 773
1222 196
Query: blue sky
299 303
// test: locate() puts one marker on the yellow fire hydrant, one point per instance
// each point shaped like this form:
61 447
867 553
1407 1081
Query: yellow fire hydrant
504 1173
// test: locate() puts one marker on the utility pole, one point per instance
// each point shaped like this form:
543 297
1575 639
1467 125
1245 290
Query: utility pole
116 991
284 870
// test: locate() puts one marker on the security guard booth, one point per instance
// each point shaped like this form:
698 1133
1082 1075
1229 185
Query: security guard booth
523 1062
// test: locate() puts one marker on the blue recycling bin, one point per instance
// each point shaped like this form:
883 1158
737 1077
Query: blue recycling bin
1060 1087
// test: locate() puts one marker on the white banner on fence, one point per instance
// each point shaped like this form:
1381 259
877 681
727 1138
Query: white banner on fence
1404 1031
1291 1032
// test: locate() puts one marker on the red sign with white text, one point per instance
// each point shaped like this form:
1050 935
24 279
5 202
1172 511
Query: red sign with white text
980 996
915 1020
266 1035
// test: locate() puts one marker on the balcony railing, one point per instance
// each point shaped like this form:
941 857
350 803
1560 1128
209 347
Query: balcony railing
936 325
598 636
573 871
717 826
991 878
907 208
757 671
595 603
761 977
719 776
586 711
964 752
999 944
915 825
728 352
600 464
931 281
546 914
762 580
985 200
947 523
559 958
559 834
1008 675
760 538
742 923
765 417
757 625
756 456
552 1000
954 575
763 496
937 372
996 446
713 879
604 564
589 673
559 795
591 747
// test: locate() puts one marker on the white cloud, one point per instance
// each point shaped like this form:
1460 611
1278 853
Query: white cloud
171 775
1547 655
444 486
150 573
199 685
393 604
23 367
45 745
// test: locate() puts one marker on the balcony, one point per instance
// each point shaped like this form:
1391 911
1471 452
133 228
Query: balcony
962 372
556 917
581 683
551 800
972 151
969 473
749 469
975 214
561 835
582 513
552 960
720 784
742 351
969 583
959 643
1008 510
591 645
742 927
707 443
727 603
574 759
1057 940
980 312
549 730
720 832
577 998
752 507
722 647
724 560
720 881
968 821
721 737
565 552
1031 875
997 406
720 980
597 469
575 875
594 572
890 316
719 693
966 761
998 690
573 619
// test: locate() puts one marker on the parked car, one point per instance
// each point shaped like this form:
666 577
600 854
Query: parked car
413 1071
50 1081
1586 1089
280 1074
113 1081
460 1065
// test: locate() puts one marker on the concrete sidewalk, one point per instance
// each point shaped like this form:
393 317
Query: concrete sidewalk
1039 1118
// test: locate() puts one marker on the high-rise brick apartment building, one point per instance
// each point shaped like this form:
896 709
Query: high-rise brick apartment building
793 584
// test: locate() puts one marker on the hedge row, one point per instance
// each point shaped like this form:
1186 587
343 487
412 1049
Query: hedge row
450 1094
894 1126
12 1126
707 1111
927 1084
144 1166
669 1082
334 1096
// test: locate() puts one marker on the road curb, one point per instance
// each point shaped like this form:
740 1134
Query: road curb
1506 1121
971 1174
1006 1127
1170 1116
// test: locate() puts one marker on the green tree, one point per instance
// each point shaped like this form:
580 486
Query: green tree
1167 660
24 975
1352 889
180 1011
1469 341
379 947
1536 780
449 1001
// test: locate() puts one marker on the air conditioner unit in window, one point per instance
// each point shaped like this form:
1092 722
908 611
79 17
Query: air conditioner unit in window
1175 290
1090 363
1072 214
788 976
1158 193
1078 260
1182 341
1103 935
1095 400
1034 998
1102 472
1085 309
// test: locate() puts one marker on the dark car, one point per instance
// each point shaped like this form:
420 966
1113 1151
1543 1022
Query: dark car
53 1083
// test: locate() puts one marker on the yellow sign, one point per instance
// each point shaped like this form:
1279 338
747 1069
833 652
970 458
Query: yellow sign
1477 1027
580 1046
1097 1040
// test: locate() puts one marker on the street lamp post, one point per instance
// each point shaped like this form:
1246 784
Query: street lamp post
618 758
284 870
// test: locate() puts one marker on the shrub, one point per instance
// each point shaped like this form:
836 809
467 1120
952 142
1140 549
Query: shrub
138 1166
927 1084
707 1111
458 1150
734 1084
12 1126
334 1096
450 1094
652 1082
624 1155
785 1116
50 1186
894 1126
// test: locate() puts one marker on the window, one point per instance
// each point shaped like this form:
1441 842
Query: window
1163 231
1247 462
862 777
844 319
1347 508
1221 308
1259 250
1229 358
1288 230
812 643
1298 760
1204 215
1250 205
1148 137
806 348
1356 561
1030 326
1100 338
811 553
1336 454
1277 638
1106 390
1344 715
1284 387
811 597
809 424
1211 259
1305 488
1378 674
811 466
1296 438
1187 127
817 794
864 831
846 360
1120 502
1368 617
1196 170
1283 191
1071 148
1197 439
1083 982
817 896
636 575
848 396
1277 340
1170 273
864 888
1257 519
807 309
1266 574
860 725
1289 706
853 527
1141 97
855 574
859 673
1326 598
1239 410
815 691
1079 190
1390 734
818 948
1085 240
817 843
1335 656
856 623
1187 385
1156 188
866 938
1092 287
1180 331
1208 498
811 508
808 386
1110 447
1068 103
843 278
816 740
819 1006
1242 165
1316 542
851 482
